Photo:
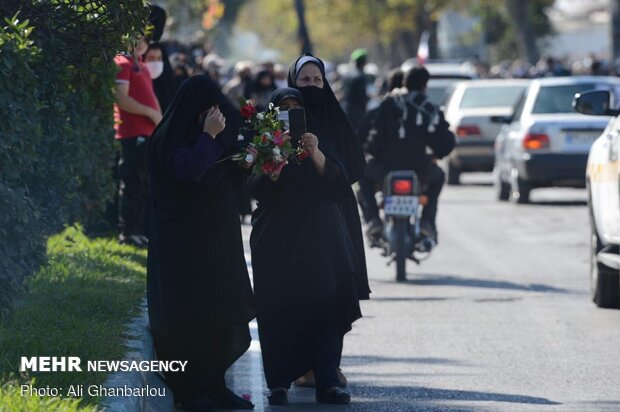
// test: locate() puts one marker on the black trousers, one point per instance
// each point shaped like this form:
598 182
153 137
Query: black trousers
132 193
432 181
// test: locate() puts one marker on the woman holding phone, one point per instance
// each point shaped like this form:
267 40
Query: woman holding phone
198 289
304 265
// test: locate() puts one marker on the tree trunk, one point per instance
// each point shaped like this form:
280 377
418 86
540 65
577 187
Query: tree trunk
302 32
525 36
615 29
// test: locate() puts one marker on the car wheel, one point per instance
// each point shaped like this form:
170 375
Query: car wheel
502 189
519 188
454 174
604 281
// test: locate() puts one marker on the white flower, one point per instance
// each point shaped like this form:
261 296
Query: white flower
260 116
240 138
277 109
270 105
276 152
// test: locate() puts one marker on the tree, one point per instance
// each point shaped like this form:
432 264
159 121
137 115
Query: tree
302 31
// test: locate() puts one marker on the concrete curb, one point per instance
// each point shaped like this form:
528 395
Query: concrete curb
140 347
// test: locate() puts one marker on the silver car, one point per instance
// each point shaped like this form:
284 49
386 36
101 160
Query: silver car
471 108
545 143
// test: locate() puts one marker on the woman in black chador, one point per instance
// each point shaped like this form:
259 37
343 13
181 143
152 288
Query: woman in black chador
198 288
305 265
324 113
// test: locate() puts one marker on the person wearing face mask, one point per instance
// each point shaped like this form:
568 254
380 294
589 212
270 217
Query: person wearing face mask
136 113
324 113
156 61
307 300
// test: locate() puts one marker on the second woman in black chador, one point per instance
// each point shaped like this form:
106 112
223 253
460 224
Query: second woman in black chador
305 266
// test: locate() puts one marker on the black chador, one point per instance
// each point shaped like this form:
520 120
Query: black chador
199 293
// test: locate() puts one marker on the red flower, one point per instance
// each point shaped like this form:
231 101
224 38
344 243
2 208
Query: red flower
269 168
248 111
301 156
277 138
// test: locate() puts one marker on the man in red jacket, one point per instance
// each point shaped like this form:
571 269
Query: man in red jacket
136 113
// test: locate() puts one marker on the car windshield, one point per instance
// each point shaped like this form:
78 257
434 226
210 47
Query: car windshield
559 99
491 96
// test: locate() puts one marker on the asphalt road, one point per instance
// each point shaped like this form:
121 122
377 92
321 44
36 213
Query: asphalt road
498 319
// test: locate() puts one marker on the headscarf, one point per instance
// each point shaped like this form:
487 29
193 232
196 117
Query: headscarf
327 115
286 93
181 120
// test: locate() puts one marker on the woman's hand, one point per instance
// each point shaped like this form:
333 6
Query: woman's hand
251 157
310 143
215 122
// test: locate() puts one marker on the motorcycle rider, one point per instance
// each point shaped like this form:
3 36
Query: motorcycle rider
408 133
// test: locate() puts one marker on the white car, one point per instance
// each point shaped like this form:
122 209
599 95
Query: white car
545 143
470 108
603 187
443 75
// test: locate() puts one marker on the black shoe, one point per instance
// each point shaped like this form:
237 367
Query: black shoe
278 397
226 399
335 396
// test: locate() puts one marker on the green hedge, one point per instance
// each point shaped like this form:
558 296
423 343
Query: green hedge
56 124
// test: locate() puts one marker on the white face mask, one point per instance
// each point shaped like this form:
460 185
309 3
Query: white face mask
155 68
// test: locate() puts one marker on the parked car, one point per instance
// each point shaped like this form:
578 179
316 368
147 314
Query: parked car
603 188
545 143
469 108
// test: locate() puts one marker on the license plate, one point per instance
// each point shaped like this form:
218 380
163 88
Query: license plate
400 205
579 141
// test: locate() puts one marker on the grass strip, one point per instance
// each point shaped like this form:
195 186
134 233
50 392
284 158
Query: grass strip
78 304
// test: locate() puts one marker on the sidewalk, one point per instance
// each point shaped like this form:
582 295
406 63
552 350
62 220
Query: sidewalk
245 377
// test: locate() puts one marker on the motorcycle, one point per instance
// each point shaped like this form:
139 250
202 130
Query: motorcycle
402 206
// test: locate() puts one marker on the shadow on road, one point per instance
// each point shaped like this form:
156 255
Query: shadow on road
472 184
421 393
449 280
371 359
559 203
405 299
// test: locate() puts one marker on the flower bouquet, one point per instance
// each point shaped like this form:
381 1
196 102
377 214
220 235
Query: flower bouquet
273 147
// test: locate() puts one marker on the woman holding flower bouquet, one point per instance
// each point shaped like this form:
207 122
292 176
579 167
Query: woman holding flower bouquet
305 264
198 289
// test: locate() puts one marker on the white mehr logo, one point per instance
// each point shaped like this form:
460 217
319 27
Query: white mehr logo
50 364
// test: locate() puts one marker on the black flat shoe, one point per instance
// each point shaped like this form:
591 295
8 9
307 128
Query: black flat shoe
278 397
334 396
226 399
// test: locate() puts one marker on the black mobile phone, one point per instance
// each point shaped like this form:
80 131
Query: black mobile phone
297 123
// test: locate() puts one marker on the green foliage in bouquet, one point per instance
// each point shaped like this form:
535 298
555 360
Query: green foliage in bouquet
272 144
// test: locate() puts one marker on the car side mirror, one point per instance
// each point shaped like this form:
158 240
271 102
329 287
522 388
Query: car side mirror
501 119
594 103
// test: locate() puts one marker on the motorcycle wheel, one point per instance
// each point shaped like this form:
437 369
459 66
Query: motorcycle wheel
400 226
